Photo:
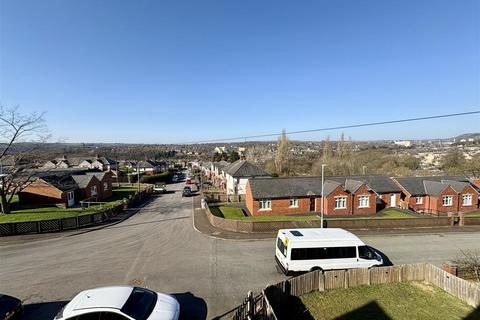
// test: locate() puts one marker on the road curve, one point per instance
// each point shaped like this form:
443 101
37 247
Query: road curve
159 248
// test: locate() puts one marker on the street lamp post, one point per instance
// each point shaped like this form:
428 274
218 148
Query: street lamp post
321 200
138 175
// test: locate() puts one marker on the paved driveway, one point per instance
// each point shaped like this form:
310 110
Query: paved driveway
158 248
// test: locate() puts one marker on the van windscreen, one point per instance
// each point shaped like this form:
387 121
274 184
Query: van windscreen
282 247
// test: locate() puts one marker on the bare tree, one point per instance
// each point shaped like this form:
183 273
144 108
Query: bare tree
469 263
283 155
16 155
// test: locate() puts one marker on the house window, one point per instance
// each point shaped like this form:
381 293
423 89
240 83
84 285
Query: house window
363 201
70 195
467 199
293 203
419 200
105 186
93 190
340 203
447 201
265 204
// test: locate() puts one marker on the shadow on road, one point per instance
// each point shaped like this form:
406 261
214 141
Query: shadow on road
43 310
191 307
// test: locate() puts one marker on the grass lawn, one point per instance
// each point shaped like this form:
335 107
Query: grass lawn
53 212
385 214
408 300
237 214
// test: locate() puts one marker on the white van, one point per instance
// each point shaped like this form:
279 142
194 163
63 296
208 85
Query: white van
299 250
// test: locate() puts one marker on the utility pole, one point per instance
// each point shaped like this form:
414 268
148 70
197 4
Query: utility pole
321 202
138 175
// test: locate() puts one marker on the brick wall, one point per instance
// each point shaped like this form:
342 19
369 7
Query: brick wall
474 206
371 209
386 200
440 208
330 202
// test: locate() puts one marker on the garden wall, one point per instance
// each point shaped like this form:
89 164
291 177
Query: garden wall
348 223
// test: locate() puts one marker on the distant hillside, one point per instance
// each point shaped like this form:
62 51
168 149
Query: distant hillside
475 136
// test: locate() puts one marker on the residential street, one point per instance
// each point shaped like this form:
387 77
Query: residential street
159 248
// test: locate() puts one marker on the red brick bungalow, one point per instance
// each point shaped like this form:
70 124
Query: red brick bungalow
50 190
438 195
67 189
104 189
388 192
295 195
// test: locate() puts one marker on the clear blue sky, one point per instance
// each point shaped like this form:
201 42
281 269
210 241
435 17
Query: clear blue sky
174 71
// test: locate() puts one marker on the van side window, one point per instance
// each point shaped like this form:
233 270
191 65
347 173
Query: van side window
365 252
323 253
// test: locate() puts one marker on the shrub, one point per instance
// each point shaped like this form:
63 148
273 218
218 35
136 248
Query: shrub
161 177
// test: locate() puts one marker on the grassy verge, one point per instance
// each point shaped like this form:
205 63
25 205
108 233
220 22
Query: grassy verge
238 214
53 212
385 214
412 300
473 214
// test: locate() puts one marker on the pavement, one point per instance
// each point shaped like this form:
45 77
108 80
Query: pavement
158 247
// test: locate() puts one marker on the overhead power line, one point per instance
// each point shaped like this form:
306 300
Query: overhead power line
368 124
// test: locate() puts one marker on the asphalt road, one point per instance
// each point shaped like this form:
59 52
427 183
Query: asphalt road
159 248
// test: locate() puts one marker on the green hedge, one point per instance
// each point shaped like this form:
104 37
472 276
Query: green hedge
162 177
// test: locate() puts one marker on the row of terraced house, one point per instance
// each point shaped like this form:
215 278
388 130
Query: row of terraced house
360 195
343 195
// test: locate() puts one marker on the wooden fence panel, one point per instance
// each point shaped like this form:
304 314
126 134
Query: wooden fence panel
358 277
334 279
413 272
386 275
460 288
305 283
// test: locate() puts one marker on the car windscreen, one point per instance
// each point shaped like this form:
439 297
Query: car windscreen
140 303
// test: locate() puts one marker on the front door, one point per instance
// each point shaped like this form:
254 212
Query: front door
70 198
312 204
393 200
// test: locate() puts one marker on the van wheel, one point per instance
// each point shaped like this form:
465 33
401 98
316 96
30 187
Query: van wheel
316 269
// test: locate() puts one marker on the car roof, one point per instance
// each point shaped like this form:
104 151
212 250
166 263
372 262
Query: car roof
105 297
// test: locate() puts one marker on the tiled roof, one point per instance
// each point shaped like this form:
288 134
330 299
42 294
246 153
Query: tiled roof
243 168
416 186
290 187
82 180
61 182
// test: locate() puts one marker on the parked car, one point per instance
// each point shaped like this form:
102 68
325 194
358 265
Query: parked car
10 308
187 191
160 188
120 303
188 181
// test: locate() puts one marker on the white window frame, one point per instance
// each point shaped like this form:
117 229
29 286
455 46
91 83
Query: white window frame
93 190
70 195
265 204
105 186
364 198
447 201
337 200
418 200
293 202
467 196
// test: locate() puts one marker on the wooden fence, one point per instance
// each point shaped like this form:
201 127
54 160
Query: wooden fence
80 221
274 296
